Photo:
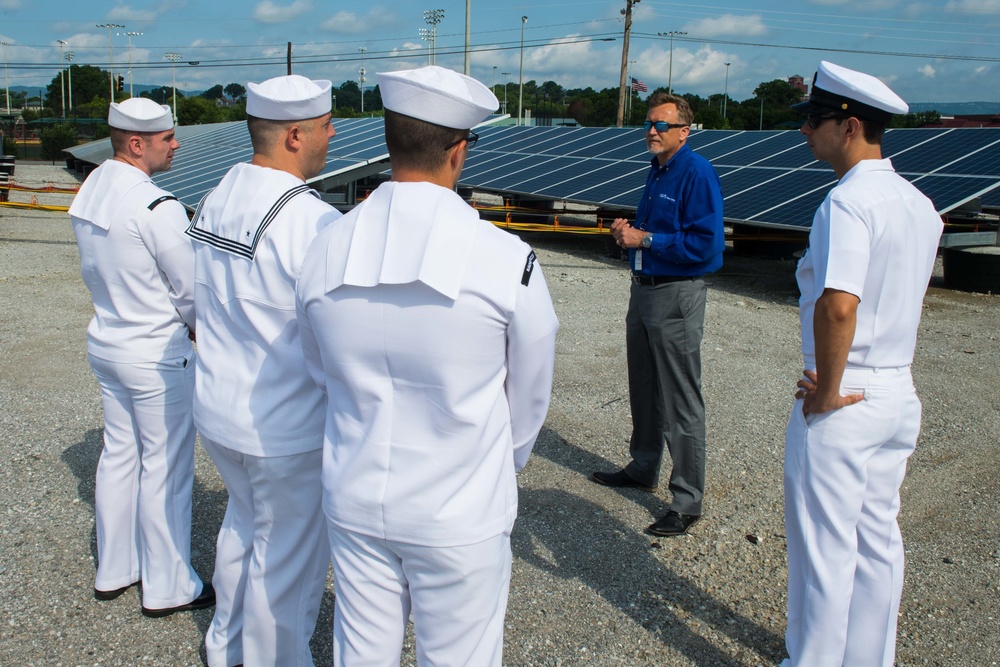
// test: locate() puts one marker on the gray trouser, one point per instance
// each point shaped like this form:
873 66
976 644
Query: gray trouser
663 332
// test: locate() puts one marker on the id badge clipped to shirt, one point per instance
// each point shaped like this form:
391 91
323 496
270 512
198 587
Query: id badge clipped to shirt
638 259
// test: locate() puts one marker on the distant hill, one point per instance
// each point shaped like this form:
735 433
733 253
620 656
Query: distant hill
956 108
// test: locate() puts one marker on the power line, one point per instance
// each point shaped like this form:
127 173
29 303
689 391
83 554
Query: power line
830 49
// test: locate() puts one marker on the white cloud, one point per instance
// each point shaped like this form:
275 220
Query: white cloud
351 23
269 12
10 4
727 24
974 6
928 71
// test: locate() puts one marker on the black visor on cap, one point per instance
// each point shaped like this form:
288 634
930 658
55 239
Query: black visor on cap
822 101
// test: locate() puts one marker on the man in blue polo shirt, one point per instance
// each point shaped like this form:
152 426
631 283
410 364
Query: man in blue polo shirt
677 238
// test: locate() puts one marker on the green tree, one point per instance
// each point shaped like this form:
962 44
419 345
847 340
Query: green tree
235 91
57 138
88 82
198 111
919 119
159 95
97 107
213 93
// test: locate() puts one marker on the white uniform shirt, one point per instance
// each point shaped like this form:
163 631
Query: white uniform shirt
252 391
874 236
137 264
433 334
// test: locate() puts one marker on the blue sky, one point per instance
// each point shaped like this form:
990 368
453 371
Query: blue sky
927 51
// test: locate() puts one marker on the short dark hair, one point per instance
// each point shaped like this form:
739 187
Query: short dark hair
119 139
264 132
871 130
684 113
417 144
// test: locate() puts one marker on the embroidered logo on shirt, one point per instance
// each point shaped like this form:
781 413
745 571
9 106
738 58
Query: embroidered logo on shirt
528 268
663 196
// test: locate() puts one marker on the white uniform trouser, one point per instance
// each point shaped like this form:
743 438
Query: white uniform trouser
142 498
458 596
843 471
272 558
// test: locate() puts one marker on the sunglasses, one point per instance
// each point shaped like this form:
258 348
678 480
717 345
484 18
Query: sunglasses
814 120
661 125
471 140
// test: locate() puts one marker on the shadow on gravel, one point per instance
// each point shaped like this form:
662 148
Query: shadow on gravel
207 509
612 560
601 548
553 447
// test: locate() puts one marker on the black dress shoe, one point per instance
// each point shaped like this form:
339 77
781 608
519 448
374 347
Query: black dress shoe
206 599
674 523
619 479
104 596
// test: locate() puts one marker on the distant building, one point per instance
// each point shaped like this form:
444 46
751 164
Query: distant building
798 83
971 120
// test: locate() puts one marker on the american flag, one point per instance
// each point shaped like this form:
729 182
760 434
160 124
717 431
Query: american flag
638 85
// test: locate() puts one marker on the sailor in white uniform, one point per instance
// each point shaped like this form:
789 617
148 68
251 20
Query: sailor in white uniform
433 334
259 414
139 267
856 418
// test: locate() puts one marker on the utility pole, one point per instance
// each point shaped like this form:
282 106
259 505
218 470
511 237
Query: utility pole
621 85
520 77
468 33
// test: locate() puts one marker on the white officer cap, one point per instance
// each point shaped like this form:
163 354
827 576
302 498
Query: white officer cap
140 114
290 97
437 95
837 88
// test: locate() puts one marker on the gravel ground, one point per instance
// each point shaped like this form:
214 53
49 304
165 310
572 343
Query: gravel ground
589 587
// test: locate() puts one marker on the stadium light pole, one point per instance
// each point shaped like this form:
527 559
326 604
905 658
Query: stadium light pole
520 78
6 81
69 72
62 81
361 76
130 35
725 93
425 35
111 53
670 66
173 58
506 80
432 17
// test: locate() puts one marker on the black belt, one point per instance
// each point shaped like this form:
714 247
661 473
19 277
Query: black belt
660 280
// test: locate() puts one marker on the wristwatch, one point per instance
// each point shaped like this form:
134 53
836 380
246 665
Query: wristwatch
647 240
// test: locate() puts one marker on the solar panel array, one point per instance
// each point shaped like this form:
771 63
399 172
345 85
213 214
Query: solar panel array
768 178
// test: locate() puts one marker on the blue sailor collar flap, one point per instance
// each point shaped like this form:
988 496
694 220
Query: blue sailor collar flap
404 233
235 215
102 193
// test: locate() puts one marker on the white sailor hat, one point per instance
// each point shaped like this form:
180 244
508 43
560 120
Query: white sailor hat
437 95
140 114
838 89
290 97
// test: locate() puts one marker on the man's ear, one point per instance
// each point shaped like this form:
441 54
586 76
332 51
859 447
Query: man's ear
293 138
135 144
853 128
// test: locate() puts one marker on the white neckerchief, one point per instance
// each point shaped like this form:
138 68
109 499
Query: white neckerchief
103 191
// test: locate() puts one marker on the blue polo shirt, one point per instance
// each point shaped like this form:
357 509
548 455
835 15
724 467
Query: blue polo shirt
682 208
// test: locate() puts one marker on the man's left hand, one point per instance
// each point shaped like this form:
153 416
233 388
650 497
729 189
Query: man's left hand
814 402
